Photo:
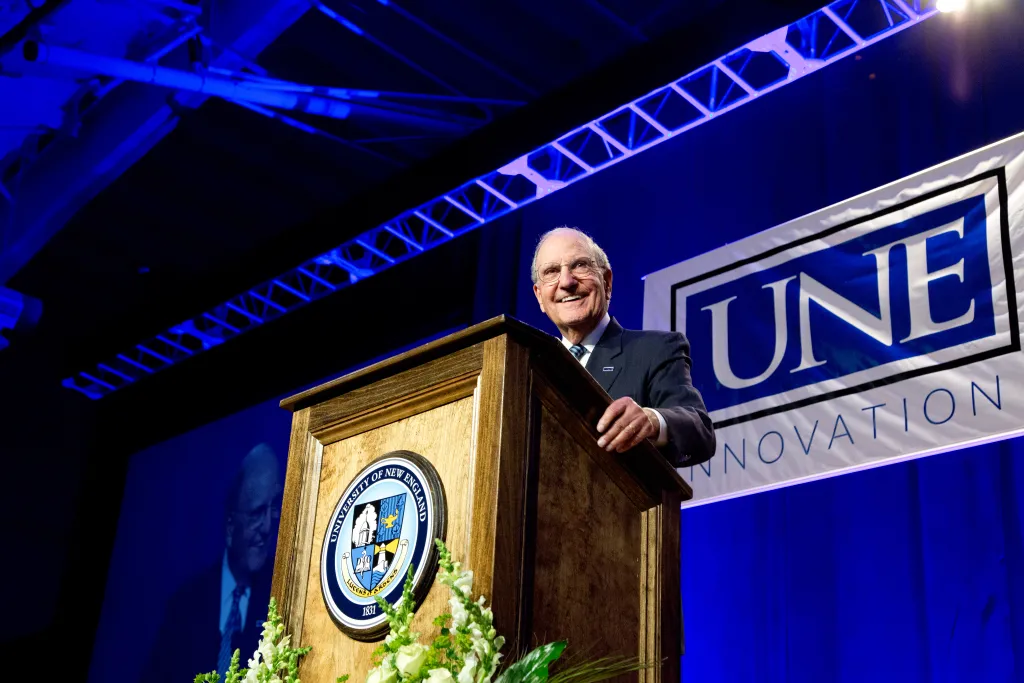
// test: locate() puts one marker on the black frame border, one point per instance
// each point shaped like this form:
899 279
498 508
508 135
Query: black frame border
1011 295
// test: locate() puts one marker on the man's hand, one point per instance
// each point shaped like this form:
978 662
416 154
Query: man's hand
625 424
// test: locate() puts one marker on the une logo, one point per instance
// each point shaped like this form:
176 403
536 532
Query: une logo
878 327
909 290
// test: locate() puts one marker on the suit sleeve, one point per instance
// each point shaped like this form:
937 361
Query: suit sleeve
691 436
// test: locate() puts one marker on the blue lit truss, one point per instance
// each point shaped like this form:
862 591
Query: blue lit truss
754 70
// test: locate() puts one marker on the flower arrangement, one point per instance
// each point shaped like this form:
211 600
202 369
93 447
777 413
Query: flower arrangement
468 649
273 656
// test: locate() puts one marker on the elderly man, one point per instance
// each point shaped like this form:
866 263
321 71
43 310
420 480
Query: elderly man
647 373
223 607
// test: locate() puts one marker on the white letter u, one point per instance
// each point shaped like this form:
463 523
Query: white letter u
720 338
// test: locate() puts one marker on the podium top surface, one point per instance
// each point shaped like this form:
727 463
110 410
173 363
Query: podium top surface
502 324
546 350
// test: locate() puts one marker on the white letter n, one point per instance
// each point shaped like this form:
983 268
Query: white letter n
879 328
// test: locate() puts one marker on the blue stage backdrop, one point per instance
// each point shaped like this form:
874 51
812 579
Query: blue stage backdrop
163 597
908 573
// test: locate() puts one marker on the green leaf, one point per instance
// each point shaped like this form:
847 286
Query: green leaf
533 666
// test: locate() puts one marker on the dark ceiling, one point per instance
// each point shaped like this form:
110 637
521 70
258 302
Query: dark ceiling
231 197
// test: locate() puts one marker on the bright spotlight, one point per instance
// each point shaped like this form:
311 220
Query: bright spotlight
950 5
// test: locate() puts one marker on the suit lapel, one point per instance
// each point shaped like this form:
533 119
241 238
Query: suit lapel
604 362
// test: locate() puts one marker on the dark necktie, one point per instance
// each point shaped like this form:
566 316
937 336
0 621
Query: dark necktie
233 626
578 351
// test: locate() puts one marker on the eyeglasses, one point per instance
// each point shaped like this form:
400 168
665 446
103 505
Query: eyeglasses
580 269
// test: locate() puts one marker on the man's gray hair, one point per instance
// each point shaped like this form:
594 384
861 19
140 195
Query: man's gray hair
600 258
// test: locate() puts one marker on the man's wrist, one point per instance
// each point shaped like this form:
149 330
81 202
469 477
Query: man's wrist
660 436
652 417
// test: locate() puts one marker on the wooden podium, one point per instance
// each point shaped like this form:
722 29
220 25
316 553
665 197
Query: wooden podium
565 539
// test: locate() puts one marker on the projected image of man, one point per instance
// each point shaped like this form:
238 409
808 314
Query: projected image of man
223 608
646 372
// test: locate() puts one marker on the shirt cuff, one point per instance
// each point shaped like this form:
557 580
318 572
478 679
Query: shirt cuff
662 429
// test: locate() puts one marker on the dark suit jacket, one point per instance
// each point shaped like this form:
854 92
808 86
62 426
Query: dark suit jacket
653 368
189 639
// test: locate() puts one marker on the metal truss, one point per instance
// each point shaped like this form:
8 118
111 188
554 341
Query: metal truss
781 57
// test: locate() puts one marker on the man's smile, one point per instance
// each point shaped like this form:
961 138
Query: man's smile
571 297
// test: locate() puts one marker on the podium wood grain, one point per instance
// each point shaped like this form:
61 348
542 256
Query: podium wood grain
442 435
566 540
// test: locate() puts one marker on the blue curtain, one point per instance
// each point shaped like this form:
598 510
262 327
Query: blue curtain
911 572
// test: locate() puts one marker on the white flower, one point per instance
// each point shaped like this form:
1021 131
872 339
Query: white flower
459 614
257 664
266 650
465 582
382 674
410 659
440 676
469 668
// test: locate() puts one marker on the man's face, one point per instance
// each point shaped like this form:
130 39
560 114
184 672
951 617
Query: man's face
573 302
252 527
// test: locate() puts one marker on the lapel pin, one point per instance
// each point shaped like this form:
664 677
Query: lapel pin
608 368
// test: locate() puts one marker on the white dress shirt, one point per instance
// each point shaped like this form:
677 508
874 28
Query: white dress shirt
227 589
588 343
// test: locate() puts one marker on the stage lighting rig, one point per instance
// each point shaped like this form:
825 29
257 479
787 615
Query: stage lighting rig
18 313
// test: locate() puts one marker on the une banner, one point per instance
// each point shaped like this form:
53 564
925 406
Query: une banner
880 329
